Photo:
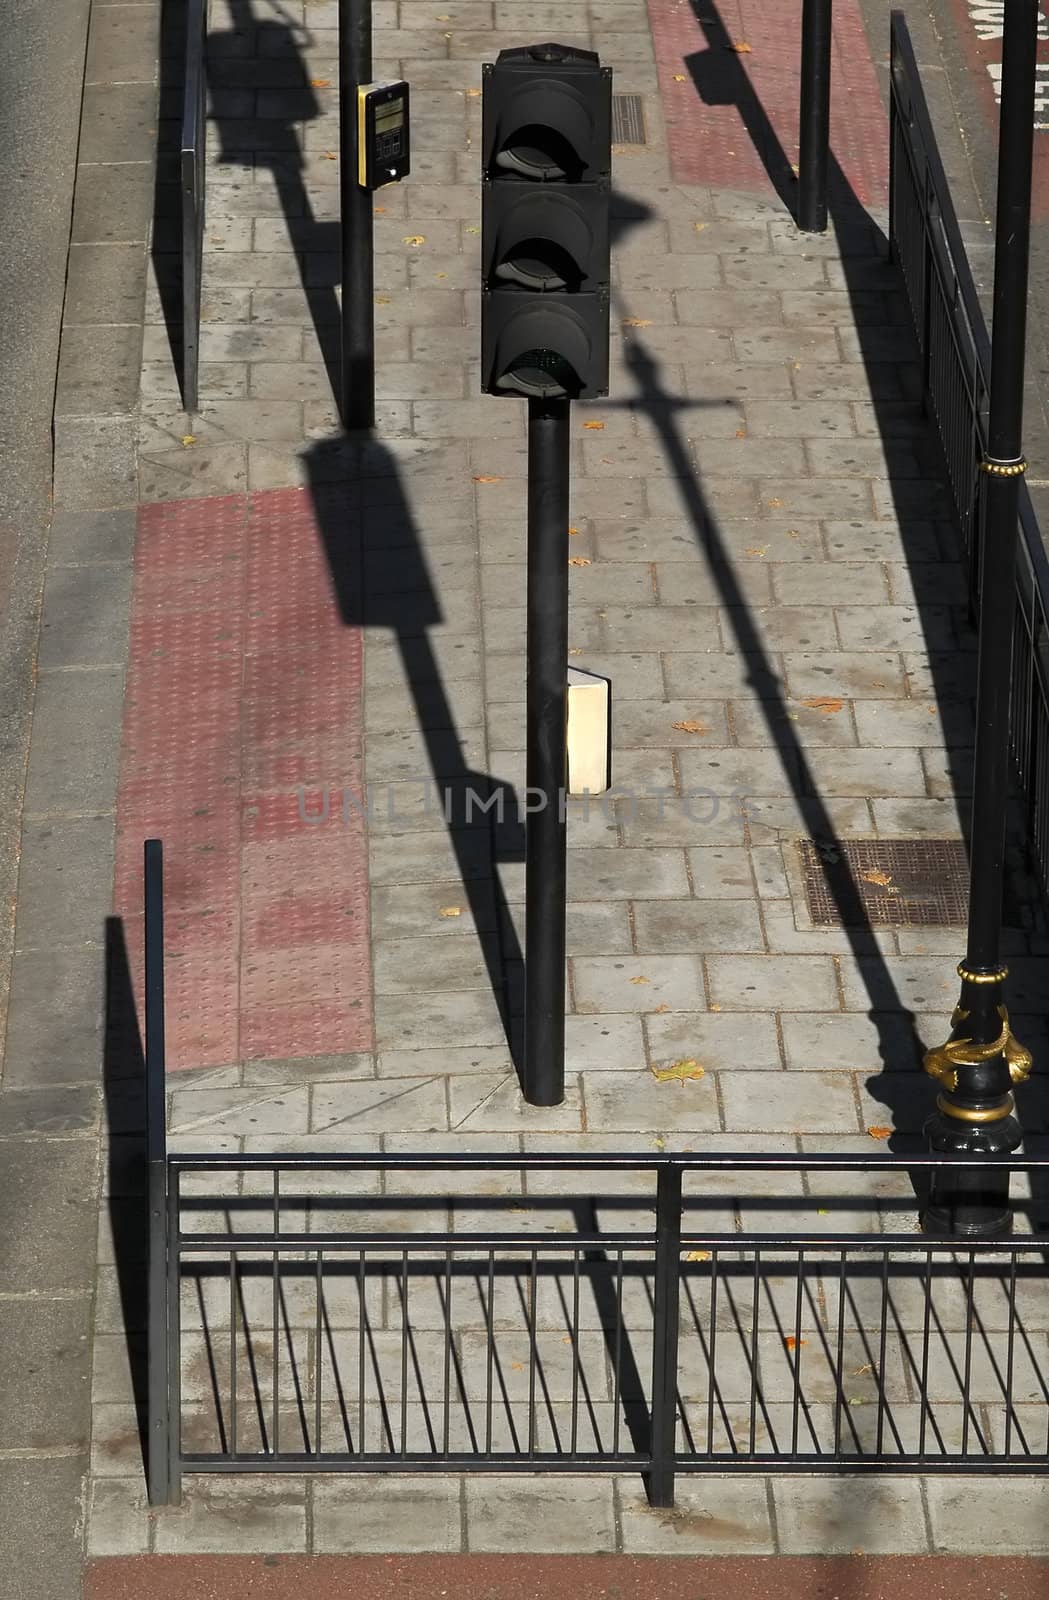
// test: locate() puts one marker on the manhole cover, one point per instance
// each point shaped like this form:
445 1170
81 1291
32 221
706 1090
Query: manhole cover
628 119
900 882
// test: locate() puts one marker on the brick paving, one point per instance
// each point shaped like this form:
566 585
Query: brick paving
764 565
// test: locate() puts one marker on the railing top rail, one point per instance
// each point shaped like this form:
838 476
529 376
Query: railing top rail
589 1161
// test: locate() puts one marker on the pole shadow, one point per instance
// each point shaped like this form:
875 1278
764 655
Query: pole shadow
124 1101
381 579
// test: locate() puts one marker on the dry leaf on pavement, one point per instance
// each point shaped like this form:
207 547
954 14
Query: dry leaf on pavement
823 702
414 238
637 322
742 48
189 438
875 875
579 561
691 726
879 1133
697 1255
320 83
487 477
792 1343
593 426
641 979
450 911
679 1071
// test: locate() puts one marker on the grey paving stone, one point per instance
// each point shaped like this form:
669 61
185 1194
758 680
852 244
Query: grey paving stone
723 675
85 617
773 983
310 1069
45 1371
835 1516
495 1104
118 1518
729 772
919 819
75 748
637 983
626 874
636 1103
720 872
64 882
224 1516
55 1017
414 1514
807 1102
1007 1520
918 722
413 1022
705 815
698 925
69 1108
894 628
794 723
854 675
405 966
534 1514
668 724
866 772
717 1039
769 874
443 1061
53 1182
408 858
113 203
240 1111
710 1514
821 1040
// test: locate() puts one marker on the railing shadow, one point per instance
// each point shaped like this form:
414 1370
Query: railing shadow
123 1088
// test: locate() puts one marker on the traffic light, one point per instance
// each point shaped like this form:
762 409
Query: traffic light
547 159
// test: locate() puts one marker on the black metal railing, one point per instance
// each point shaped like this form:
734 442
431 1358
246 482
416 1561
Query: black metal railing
191 177
655 1313
955 348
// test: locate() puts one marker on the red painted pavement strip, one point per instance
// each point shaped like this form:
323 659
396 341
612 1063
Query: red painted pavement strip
244 688
983 48
514 1577
709 143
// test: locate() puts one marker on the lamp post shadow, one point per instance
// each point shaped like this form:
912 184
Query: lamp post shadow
381 579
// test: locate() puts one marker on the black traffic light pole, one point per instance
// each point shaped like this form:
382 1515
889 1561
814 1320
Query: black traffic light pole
358 291
815 115
981 1060
547 746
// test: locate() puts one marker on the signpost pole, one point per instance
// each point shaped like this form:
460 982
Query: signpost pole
815 115
358 295
547 758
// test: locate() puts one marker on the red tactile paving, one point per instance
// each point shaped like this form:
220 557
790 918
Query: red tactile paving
702 69
243 685
515 1577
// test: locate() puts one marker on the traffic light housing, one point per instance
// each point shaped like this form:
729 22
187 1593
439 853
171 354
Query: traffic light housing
547 159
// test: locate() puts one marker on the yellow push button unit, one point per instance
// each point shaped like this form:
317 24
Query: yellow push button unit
383 130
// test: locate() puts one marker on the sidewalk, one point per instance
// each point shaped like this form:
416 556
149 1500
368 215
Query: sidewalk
762 562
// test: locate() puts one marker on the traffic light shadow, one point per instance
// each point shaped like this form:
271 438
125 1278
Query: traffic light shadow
381 579
277 59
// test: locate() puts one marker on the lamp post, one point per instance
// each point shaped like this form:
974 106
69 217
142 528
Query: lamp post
981 1061
814 116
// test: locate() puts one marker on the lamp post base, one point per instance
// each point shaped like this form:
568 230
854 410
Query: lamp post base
969 1203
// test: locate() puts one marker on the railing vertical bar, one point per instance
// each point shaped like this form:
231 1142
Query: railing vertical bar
1009 1354
665 1336
575 1354
234 1312
796 1409
276 1314
967 1376
617 1369
361 1367
715 1263
838 1381
754 1377
404 1352
318 1358
174 1342
532 1354
161 1244
882 1343
490 1354
447 1420
923 1386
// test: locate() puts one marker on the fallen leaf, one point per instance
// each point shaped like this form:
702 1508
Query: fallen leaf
517 1366
450 911
572 532
328 155
659 1143
594 427
637 322
579 561
774 503
471 230
414 238
741 433
440 274
320 83
697 1255
679 1071
742 48
662 1008
471 94
679 77
879 1133
860 1372
485 477
756 550
575 652
378 211
713 1006
792 1343
823 702
822 1211
641 980
856 1401
692 726
795 169
189 438
699 226
874 875
793 533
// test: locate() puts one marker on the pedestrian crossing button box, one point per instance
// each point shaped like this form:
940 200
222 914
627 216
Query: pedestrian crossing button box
383 134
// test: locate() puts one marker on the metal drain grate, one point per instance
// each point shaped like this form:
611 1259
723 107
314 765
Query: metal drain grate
901 882
628 119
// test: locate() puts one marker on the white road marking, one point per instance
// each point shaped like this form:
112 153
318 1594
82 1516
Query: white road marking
988 19
1041 90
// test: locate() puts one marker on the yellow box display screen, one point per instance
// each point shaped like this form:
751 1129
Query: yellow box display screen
383 134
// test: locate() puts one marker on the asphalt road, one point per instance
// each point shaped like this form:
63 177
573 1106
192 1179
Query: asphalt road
41 78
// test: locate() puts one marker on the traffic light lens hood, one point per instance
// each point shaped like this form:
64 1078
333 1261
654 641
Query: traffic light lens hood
545 132
542 352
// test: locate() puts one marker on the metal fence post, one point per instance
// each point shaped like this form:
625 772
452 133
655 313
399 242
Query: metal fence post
665 1337
814 144
357 208
157 1355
